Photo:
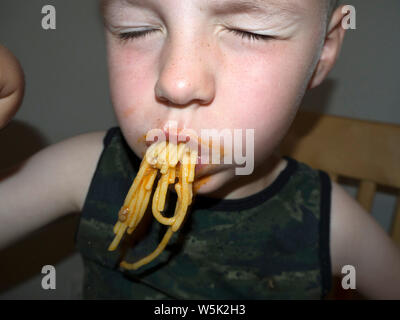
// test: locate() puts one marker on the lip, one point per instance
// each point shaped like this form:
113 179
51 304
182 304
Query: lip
175 135
172 136
179 136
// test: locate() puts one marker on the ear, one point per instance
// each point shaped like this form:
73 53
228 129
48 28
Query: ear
331 49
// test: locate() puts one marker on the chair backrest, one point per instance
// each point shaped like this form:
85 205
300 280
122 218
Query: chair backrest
362 150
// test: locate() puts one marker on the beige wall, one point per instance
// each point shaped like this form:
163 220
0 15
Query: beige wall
67 94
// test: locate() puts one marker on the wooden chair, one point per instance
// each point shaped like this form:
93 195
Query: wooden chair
366 151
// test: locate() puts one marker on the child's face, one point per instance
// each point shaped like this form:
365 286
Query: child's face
190 63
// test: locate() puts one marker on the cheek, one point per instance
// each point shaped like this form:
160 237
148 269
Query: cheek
132 73
265 89
132 92
128 77
129 83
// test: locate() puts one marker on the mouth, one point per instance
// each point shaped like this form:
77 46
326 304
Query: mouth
205 149
173 136
189 137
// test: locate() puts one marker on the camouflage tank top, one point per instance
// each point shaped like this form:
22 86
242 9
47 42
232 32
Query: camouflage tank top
271 245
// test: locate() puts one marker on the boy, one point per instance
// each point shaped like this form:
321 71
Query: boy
278 233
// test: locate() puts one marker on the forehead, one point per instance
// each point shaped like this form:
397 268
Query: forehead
218 6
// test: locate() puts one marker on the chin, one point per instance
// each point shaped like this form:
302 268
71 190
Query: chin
209 184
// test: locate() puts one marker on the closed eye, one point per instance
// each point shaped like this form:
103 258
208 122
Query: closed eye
250 36
136 34
243 34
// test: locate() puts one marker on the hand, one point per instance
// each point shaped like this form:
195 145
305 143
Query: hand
12 85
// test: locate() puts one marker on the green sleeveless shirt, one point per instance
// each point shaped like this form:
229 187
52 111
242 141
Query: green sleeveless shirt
270 245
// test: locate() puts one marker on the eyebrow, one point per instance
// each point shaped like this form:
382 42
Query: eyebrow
264 7
105 4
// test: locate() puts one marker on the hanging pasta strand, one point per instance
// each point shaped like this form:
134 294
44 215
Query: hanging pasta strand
166 158
151 256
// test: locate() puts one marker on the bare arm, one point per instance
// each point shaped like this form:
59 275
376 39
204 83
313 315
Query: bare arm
358 240
52 183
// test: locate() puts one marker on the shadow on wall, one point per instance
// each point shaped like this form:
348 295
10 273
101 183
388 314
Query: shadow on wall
19 140
48 245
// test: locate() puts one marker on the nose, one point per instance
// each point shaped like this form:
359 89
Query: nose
186 75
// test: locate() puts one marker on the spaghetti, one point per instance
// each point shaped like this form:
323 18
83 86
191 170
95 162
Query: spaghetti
172 161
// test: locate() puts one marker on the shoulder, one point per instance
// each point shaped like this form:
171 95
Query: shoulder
345 214
356 239
48 185
351 226
80 156
73 161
